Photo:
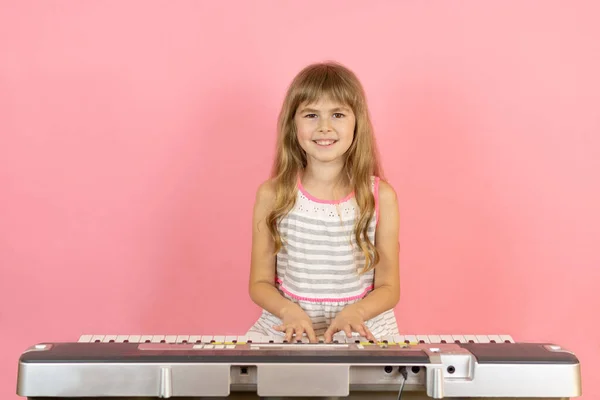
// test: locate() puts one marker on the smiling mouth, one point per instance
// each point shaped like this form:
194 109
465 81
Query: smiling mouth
325 142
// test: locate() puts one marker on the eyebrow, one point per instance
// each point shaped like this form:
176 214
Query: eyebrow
312 110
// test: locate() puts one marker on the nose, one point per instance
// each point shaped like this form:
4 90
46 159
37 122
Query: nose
324 125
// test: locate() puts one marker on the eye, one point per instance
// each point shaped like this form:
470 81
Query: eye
310 115
338 115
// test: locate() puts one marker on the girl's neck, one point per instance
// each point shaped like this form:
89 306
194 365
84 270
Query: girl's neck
326 180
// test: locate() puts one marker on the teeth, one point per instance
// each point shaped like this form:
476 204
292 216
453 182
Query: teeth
324 142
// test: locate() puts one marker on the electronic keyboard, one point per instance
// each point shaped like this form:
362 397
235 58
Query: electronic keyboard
254 366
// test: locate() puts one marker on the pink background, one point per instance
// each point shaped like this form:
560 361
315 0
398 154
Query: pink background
133 136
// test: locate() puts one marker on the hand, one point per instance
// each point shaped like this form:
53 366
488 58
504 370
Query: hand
349 320
295 320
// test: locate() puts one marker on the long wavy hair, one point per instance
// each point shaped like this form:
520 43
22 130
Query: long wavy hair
361 161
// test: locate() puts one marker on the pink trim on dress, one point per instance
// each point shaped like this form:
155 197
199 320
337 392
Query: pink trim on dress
376 194
311 197
323 299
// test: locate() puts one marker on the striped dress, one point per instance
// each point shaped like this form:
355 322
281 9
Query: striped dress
318 266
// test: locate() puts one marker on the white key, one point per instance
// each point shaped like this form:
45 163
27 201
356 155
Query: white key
269 338
134 338
108 338
219 339
145 338
424 338
85 338
399 339
182 338
242 339
390 339
411 338
230 339
460 338
495 338
295 339
194 338
339 336
206 338
254 337
209 346
352 339
122 338
278 339
348 339
434 339
447 338
354 336
468 338
219 346
157 338
97 338
171 338
360 339
482 338
230 346
506 338
305 339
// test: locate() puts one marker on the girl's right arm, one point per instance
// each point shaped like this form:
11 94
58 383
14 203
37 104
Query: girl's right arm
262 288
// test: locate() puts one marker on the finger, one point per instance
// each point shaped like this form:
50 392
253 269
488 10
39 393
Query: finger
360 329
279 328
370 335
310 332
348 331
299 331
288 334
366 333
328 336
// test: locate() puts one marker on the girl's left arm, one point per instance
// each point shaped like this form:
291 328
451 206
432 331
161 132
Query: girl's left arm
386 292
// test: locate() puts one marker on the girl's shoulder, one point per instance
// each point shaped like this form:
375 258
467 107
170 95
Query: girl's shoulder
266 188
386 200
385 190
265 193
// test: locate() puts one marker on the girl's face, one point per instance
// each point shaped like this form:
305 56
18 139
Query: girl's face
325 129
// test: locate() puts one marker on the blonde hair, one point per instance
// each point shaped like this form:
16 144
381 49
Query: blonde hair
361 160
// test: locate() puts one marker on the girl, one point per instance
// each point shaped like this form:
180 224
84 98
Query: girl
325 227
